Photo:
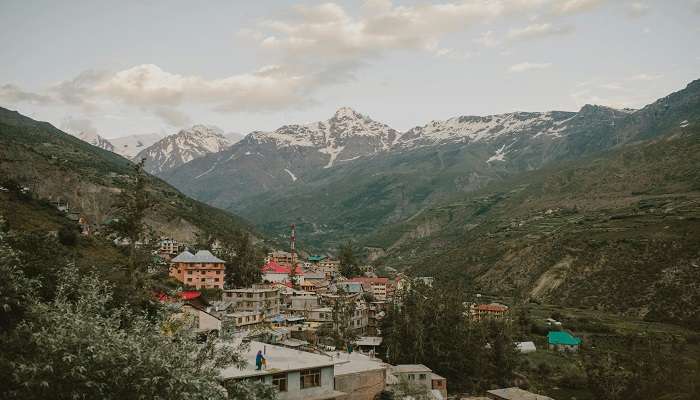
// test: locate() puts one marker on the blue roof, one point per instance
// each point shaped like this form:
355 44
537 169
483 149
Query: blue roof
562 337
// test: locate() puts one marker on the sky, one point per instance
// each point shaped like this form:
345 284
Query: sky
133 67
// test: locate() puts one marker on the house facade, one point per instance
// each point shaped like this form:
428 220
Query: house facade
265 301
202 270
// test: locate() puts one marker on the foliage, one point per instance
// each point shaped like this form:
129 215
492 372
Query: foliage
349 264
650 370
243 261
430 325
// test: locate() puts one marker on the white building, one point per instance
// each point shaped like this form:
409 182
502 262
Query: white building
298 375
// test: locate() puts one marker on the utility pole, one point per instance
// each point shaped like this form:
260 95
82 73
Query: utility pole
292 245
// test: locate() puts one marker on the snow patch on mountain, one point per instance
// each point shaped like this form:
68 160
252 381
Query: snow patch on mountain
294 178
499 156
183 147
94 139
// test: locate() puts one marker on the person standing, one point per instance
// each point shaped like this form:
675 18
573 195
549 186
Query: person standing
259 360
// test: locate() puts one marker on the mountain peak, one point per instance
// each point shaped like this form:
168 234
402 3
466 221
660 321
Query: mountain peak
347 112
203 129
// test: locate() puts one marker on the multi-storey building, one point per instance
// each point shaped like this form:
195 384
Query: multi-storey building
260 300
279 257
201 270
381 288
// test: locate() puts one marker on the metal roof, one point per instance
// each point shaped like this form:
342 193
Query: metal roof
202 256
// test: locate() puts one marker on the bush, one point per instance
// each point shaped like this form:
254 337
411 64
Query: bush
67 236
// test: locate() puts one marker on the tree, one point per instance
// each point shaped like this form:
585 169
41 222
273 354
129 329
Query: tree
349 266
80 346
242 261
128 224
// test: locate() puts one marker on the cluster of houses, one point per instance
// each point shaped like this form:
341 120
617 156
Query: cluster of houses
287 315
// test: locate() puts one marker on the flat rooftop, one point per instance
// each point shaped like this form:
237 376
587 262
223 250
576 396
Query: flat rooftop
355 362
279 359
515 393
405 368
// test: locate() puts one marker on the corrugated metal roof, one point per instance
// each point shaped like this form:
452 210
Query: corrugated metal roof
202 256
562 337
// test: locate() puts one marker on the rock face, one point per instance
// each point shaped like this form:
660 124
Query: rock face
187 145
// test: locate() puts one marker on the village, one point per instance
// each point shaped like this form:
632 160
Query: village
313 333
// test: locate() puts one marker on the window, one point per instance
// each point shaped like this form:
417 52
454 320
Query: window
189 279
411 377
218 272
189 272
202 279
280 380
216 279
422 377
309 378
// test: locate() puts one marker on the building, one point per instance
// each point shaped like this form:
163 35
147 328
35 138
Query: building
279 257
563 341
274 272
265 301
350 287
493 310
330 267
526 347
376 310
514 393
419 374
380 288
368 344
297 374
316 259
201 270
169 247
359 376
244 320
204 321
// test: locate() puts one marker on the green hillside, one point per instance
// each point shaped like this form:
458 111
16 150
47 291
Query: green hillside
617 232
347 202
59 167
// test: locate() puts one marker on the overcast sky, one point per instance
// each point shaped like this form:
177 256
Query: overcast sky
129 67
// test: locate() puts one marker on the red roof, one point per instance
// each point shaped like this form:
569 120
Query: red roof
362 279
274 268
184 295
189 294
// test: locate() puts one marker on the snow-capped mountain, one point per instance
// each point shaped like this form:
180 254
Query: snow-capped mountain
187 145
94 139
346 136
130 146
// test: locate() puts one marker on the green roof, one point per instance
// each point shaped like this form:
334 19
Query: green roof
561 337
316 258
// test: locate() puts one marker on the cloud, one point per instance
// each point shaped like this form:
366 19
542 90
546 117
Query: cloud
173 117
12 94
645 77
636 9
78 126
576 6
527 66
487 39
538 30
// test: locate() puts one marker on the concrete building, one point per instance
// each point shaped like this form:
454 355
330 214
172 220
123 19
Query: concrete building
380 288
204 321
279 257
169 247
419 374
298 375
359 376
261 300
493 310
245 320
202 270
